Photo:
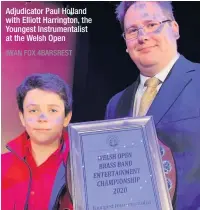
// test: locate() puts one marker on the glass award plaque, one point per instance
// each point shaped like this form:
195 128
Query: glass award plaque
116 165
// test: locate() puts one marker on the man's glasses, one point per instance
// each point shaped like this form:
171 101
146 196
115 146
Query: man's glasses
151 27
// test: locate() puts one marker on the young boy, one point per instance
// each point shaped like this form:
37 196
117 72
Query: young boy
33 172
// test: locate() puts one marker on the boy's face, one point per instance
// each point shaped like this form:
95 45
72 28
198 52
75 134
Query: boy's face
44 116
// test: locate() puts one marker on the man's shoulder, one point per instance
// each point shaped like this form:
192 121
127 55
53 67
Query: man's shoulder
186 68
194 68
197 67
197 71
190 63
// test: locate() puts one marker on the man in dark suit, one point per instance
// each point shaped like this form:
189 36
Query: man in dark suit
168 88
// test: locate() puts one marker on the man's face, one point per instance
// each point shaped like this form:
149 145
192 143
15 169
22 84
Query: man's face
44 116
155 48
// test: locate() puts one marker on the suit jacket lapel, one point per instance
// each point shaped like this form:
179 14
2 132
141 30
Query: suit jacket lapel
174 84
126 102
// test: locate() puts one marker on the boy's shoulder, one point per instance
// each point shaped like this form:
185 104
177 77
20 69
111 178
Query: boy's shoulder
7 162
6 157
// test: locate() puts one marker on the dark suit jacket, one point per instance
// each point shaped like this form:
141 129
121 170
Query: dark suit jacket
176 113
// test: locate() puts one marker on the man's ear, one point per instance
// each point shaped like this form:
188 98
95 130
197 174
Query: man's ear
21 117
67 119
175 28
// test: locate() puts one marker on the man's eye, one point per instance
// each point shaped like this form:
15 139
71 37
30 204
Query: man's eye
132 30
151 25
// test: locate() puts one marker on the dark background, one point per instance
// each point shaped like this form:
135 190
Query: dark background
103 68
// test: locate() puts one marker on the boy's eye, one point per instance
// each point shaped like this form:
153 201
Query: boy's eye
53 110
33 110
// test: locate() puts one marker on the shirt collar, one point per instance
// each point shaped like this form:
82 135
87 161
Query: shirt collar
162 74
18 148
28 149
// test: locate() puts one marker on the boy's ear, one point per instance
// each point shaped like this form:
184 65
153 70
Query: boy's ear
21 117
67 119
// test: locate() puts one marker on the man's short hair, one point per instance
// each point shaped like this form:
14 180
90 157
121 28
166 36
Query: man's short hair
122 8
46 82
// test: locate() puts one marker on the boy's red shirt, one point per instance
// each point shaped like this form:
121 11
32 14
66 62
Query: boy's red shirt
23 182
